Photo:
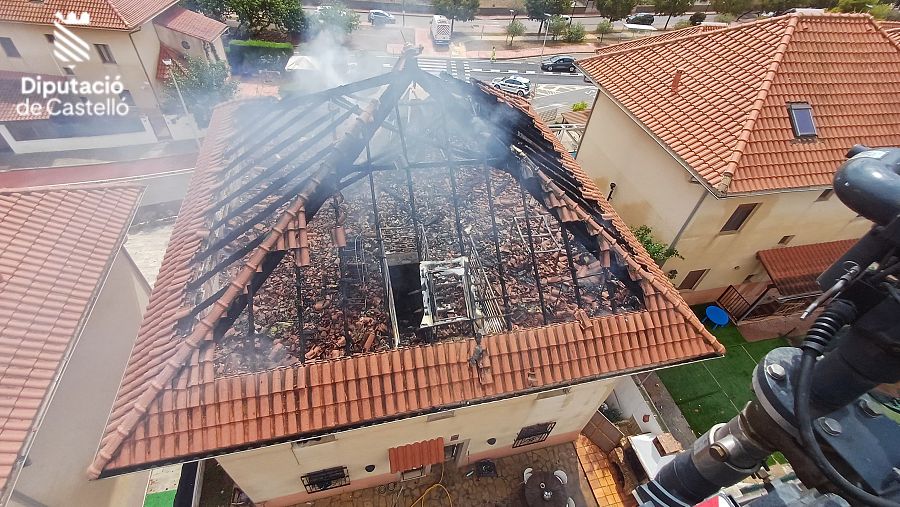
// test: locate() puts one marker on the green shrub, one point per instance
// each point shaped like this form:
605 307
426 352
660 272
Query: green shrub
880 11
249 56
725 18
603 27
579 106
853 5
575 33
659 251
697 18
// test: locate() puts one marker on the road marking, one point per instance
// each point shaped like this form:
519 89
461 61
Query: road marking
515 71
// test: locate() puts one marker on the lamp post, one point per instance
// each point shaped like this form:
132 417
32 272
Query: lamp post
168 63
544 44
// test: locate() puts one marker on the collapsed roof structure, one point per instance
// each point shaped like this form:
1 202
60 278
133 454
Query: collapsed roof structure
387 248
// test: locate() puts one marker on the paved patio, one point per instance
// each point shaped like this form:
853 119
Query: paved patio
502 491
600 475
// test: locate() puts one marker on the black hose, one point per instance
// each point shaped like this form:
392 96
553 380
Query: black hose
808 438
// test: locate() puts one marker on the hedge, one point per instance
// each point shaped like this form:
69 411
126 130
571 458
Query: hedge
248 56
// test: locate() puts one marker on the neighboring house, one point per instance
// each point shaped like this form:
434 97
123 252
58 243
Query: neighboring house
68 292
124 39
349 298
725 142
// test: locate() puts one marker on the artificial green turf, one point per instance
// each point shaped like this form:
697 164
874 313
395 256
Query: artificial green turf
161 499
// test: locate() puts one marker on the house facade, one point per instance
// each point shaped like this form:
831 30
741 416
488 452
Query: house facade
419 293
726 150
67 289
123 42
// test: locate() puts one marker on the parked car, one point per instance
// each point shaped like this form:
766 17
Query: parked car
322 8
640 19
563 63
514 84
378 17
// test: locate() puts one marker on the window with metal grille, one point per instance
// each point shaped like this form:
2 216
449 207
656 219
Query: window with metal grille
105 53
692 279
534 434
9 48
328 478
802 119
740 215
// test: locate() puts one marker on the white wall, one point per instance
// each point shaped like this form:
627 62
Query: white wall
68 438
627 397
274 472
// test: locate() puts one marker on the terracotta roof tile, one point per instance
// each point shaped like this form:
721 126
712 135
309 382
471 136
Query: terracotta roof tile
190 23
576 117
727 115
794 269
48 282
166 53
110 14
11 95
419 454
362 388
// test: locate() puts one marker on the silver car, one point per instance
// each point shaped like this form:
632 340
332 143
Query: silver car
514 84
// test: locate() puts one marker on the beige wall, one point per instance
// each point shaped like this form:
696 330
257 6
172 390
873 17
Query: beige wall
174 39
68 438
731 257
135 54
651 187
272 474
654 189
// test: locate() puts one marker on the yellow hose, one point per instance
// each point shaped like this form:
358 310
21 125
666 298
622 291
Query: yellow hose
435 485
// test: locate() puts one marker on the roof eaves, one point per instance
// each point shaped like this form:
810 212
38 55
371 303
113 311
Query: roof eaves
757 105
683 163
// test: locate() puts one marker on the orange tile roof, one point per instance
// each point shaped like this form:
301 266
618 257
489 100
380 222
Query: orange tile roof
576 117
167 53
894 33
191 23
419 454
110 14
727 118
653 39
58 245
172 404
794 269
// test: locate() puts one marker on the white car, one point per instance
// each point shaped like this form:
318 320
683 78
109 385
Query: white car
514 84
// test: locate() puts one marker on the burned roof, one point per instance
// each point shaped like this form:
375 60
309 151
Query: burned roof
58 245
386 248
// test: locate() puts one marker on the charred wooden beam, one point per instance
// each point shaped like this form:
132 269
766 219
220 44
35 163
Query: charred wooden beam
495 236
523 176
571 263
300 305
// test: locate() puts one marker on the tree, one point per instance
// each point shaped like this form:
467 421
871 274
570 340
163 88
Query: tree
538 10
255 16
574 33
556 26
337 18
733 7
515 29
579 106
853 5
604 27
462 10
697 18
615 9
203 84
672 8
215 9
659 252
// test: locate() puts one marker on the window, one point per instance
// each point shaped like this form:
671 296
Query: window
69 71
692 279
415 473
825 195
534 434
9 48
185 44
740 215
440 415
452 451
785 239
749 278
554 393
50 38
105 53
801 117
329 478
126 97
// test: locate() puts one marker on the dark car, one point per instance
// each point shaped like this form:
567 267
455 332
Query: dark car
377 17
559 63
640 19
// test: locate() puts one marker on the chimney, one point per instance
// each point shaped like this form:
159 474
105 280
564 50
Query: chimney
676 80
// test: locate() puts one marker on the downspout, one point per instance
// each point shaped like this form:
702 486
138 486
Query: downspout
687 221
144 68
